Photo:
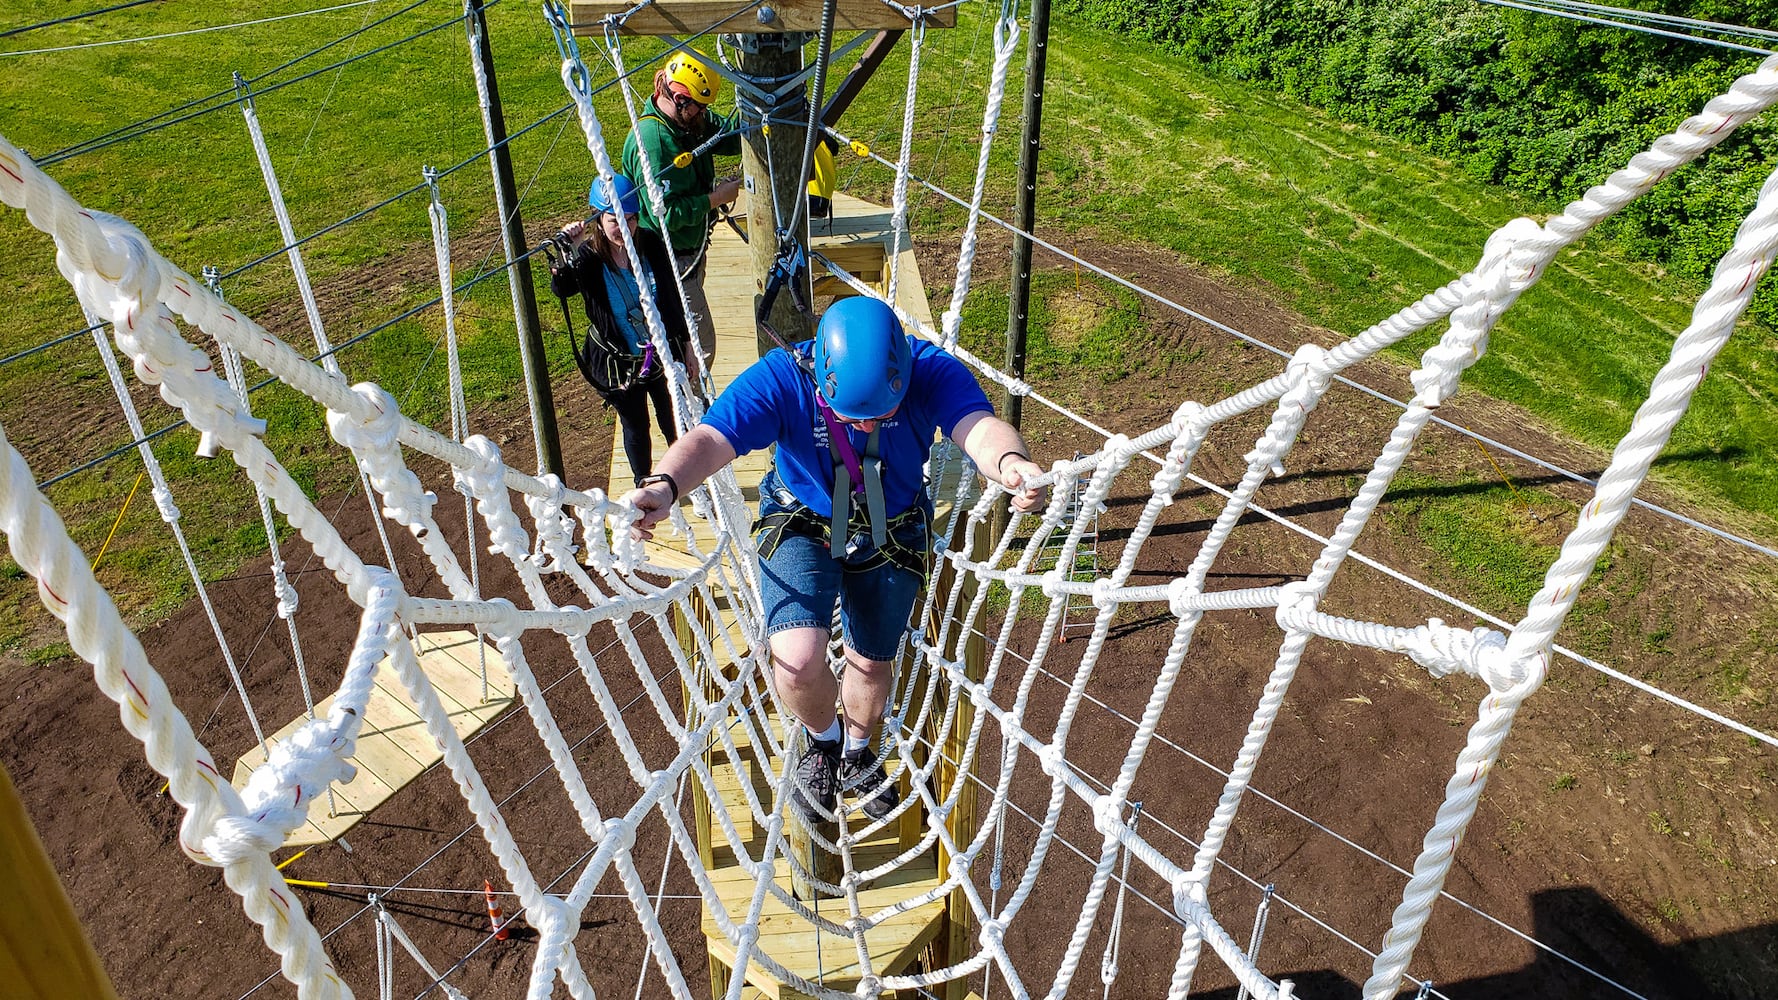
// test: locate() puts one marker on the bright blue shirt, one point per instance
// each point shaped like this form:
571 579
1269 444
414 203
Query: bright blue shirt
773 402
626 301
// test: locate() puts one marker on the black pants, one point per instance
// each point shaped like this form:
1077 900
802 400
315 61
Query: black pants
632 415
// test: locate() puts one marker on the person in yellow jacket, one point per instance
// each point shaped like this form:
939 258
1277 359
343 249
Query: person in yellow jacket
678 119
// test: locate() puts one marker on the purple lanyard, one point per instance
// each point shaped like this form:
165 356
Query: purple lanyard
840 444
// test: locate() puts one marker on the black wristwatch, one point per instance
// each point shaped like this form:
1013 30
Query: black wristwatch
660 477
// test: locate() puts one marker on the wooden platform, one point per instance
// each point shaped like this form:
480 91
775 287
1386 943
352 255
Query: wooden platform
858 238
394 747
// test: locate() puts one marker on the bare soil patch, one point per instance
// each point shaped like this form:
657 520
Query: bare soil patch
1634 837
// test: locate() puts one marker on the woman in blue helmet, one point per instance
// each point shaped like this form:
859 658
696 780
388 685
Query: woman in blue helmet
618 358
843 514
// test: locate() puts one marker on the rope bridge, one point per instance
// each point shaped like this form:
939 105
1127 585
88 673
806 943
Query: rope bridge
628 602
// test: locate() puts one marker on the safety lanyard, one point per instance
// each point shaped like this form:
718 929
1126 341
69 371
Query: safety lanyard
629 292
853 473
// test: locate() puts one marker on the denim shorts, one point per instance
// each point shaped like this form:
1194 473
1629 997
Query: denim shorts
801 581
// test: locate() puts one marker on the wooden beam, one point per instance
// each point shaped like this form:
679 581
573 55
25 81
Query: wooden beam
691 17
868 61
44 953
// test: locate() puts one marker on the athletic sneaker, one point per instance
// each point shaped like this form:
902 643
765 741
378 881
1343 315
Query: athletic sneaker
816 781
860 773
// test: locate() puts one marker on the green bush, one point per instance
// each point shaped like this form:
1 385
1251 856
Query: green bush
1543 105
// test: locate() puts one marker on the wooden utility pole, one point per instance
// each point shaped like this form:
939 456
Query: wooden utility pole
512 237
1025 211
1024 219
772 159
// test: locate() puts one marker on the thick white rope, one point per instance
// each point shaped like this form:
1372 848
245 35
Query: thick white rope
576 79
441 249
514 282
898 213
1006 42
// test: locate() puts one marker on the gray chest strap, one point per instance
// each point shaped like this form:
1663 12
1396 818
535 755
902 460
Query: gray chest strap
871 471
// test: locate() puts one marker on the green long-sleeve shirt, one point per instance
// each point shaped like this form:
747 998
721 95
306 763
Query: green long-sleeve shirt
684 190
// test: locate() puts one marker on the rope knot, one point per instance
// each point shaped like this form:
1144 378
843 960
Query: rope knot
1188 894
1179 593
555 532
555 921
1050 759
1102 593
375 430
1479 652
163 499
1052 583
288 598
993 932
592 531
1295 598
1108 817
960 865
276 799
619 831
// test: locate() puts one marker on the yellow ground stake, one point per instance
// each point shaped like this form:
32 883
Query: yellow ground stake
286 863
114 525
308 883
1502 472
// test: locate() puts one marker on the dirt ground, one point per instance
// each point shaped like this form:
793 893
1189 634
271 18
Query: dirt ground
1628 835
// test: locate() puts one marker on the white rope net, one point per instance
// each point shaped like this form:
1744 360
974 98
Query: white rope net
937 726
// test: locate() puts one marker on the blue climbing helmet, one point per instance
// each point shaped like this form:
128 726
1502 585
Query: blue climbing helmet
863 362
627 195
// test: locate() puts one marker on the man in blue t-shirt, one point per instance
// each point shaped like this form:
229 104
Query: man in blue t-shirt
843 515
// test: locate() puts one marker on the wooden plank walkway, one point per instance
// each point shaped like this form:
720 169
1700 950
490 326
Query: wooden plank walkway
786 936
393 746
857 238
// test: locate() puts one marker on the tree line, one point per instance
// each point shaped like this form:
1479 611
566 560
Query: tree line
1544 105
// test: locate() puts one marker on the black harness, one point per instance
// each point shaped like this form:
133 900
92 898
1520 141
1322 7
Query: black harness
859 520
770 530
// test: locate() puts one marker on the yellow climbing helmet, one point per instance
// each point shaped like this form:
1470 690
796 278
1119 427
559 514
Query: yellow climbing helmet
701 85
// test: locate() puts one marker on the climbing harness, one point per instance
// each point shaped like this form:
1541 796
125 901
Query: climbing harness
854 474
896 550
607 369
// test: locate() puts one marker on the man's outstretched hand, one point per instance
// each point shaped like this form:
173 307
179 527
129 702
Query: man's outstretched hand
655 501
1020 470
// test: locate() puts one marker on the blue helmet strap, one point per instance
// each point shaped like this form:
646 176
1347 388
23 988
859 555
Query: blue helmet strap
854 474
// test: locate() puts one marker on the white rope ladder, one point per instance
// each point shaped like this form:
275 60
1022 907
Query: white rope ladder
582 537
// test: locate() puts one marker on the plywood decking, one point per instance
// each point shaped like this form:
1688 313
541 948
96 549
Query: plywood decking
393 746
786 936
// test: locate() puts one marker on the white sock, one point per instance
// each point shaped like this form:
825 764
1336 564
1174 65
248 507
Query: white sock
830 735
856 743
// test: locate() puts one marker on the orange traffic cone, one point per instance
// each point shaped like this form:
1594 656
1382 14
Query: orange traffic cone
496 916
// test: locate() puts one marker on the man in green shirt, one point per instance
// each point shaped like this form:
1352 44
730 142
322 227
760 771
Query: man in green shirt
677 120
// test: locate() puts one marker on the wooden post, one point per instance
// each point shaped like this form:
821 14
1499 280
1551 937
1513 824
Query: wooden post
773 159
1025 218
954 939
1025 211
512 237
44 953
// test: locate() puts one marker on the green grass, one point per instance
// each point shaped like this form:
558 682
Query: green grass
1334 223
1497 539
